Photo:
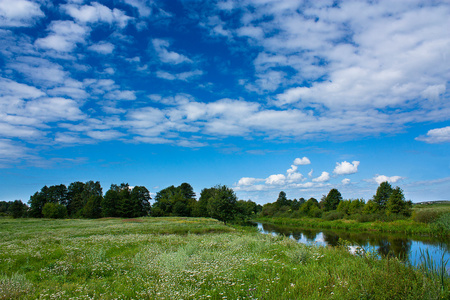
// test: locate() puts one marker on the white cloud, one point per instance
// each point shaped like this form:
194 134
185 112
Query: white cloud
97 12
435 136
167 56
64 36
302 161
310 174
184 76
121 95
19 13
247 181
294 177
278 179
102 48
382 178
345 168
293 169
345 181
325 176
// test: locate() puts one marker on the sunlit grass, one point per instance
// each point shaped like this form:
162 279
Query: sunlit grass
184 258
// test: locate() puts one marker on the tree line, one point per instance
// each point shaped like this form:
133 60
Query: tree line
387 203
86 200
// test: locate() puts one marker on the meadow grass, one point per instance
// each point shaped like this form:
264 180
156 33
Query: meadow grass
189 258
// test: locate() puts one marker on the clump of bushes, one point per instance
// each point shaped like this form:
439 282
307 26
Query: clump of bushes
427 216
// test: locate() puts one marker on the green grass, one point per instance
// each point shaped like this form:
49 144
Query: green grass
189 258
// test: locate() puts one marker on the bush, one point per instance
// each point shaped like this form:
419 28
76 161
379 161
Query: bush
427 216
54 211
367 218
333 215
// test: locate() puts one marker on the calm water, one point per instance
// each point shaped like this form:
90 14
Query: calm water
401 246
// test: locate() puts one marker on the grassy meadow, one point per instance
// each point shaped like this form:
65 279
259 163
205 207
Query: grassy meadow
189 258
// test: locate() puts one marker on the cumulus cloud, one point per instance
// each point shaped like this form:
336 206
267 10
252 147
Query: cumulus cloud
97 12
324 177
64 36
345 181
302 161
248 181
435 136
345 168
19 13
382 178
278 179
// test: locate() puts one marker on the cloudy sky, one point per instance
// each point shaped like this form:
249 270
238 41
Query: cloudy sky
259 95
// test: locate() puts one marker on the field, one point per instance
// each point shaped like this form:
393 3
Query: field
189 258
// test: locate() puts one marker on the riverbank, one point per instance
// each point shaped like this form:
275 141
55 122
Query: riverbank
399 226
189 258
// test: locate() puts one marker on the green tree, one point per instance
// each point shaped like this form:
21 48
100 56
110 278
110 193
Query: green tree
222 205
110 202
54 211
37 202
75 199
282 200
201 207
370 208
397 204
310 207
331 201
92 208
18 209
140 199
382 195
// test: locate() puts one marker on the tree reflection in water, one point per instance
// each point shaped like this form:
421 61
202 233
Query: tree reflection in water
386 245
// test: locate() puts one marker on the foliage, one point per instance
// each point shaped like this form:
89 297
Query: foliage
397 205
333 215
331 201
382 194
54 211
18 209
222 205
175 201
427 215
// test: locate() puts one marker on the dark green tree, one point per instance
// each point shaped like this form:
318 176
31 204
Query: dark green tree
92 208
18 209
282 200
110 202
37 202
397 204
140 199
222 205
201 207
382 195
75 199
331 201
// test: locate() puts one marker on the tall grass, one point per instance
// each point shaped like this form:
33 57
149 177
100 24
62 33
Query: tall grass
180 258
433 270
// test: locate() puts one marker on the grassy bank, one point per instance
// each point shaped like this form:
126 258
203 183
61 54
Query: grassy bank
179 258
398 226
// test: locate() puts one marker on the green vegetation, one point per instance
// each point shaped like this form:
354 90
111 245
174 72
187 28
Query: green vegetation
190 258
387 211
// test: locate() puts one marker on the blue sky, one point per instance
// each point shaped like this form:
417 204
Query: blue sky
260 95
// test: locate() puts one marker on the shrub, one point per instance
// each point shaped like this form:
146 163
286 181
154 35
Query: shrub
427 216
54 211
333 215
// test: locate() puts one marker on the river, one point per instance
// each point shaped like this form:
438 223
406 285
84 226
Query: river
407 248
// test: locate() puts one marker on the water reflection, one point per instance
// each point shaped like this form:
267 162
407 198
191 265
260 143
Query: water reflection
392 245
